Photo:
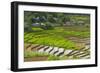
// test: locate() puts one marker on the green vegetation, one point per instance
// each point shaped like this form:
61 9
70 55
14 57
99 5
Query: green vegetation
52 19
33 54
56 37
30 54
54 29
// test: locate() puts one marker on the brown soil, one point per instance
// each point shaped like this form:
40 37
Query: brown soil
80 42
35 59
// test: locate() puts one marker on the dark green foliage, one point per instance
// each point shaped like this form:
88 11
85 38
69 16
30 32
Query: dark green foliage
51 19
47 26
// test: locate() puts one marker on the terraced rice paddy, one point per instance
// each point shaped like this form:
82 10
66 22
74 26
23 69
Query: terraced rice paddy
44 52
57 44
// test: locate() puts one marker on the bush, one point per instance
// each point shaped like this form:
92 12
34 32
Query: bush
47 26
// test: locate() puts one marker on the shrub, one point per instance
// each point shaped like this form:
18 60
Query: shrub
47 26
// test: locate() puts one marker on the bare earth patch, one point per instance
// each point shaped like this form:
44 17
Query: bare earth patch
43 58
79 40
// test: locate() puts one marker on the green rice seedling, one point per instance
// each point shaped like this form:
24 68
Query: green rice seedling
29 54
56 37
